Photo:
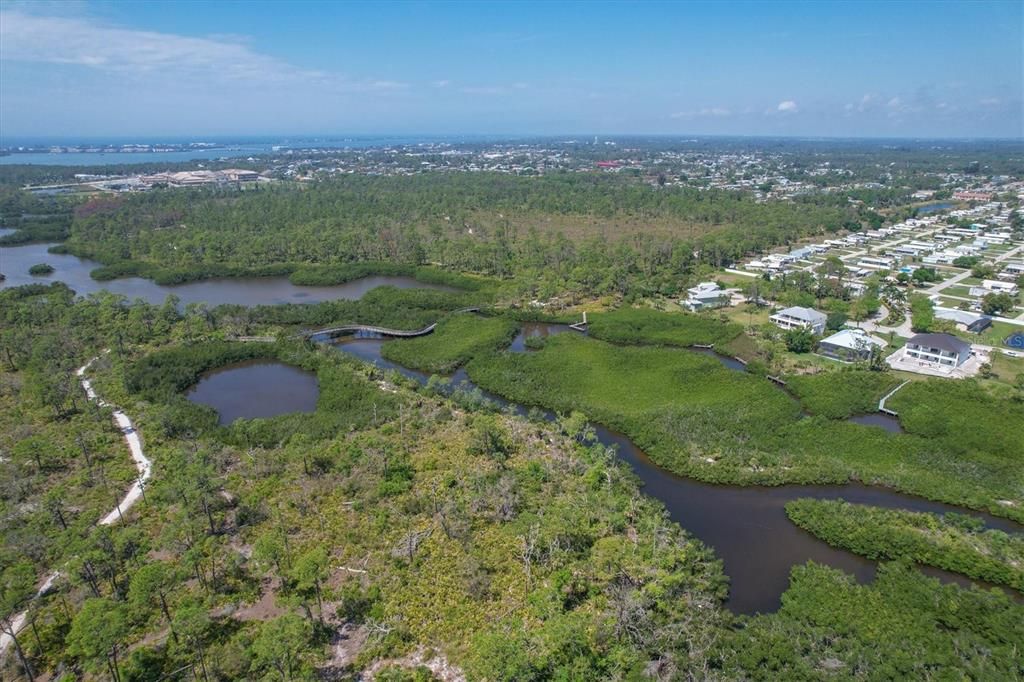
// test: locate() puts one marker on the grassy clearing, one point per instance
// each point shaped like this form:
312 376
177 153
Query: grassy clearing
950 542
1005 369
455 340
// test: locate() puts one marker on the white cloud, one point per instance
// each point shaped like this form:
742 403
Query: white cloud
84 42
442 83
990 102
787 106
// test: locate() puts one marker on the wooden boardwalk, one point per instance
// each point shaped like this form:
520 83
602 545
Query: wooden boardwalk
370 329
881 403
343 329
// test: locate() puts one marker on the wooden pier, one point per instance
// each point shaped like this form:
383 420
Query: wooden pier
580 326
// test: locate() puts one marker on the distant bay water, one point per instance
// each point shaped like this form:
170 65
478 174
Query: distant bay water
223 150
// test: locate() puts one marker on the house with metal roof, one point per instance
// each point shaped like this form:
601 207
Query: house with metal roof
704 296
800 318
964 320
849 345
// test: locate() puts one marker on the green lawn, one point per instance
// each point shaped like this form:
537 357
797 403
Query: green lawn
994 335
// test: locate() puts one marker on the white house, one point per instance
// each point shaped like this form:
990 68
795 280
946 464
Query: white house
1000 287
938 351
849 345
872 262
800 318
1012 270
704 296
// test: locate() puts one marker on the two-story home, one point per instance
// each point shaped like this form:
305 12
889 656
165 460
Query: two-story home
941 351
800 318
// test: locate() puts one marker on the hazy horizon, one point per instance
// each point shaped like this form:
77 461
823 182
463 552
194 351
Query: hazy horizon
828 70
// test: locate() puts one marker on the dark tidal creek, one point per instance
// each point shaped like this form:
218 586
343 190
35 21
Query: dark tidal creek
747 526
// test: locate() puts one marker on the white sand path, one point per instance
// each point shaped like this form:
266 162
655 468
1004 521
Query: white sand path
142 463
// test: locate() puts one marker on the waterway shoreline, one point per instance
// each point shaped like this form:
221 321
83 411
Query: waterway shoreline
745 525
247 291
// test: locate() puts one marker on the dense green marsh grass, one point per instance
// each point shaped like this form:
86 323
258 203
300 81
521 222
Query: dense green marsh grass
842 393
654 327
898 627
699 419
955 543
455 340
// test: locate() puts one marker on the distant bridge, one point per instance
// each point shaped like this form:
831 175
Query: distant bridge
341 330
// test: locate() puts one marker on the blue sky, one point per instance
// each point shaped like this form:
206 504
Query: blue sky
889 69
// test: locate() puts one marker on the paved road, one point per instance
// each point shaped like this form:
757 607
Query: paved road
875 328
956 279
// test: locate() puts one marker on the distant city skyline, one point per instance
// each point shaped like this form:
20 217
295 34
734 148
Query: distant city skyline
902 70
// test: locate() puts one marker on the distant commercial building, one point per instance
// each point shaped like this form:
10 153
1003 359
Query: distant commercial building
240 175
800 318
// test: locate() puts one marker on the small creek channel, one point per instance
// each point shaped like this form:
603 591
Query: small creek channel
247 291
747 526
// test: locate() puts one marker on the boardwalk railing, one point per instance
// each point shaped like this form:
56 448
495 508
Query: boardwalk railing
881 403
343 329
370 329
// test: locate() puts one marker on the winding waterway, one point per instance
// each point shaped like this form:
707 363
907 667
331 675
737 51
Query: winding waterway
747 526
248 291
